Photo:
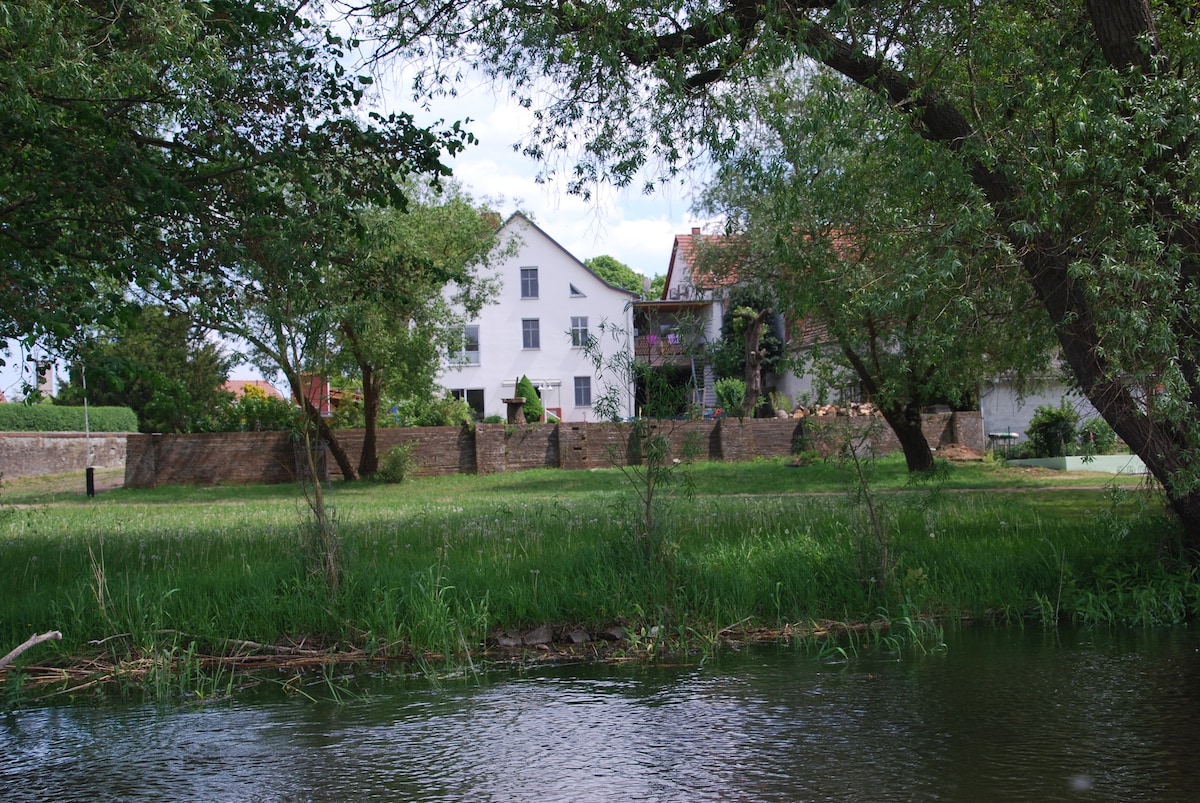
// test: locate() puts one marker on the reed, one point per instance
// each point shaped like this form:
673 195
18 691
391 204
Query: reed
430 568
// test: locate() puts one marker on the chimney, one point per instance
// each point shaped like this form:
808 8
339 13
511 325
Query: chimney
695 231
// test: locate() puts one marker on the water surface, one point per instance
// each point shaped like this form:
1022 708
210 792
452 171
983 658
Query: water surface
1001 715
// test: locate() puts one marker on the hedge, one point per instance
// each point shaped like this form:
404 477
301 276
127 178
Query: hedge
55 418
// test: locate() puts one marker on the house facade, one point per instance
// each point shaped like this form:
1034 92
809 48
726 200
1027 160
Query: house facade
548 306
673 330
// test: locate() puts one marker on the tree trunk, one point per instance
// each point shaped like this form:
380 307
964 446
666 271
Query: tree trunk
905 422
1164 446
368 461
754 361
326 434
324 431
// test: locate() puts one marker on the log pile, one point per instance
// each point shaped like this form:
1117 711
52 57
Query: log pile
847 410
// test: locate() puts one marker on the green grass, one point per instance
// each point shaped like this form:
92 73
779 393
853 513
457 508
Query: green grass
433 565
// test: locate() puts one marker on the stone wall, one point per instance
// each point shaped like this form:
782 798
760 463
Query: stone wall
28 454
237 457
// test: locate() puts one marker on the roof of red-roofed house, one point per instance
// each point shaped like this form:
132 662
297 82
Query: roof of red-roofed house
683 258
238 387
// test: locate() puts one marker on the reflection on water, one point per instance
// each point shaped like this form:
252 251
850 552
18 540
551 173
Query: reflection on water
1002 715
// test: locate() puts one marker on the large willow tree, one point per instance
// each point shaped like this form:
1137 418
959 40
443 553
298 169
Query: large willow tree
1075 122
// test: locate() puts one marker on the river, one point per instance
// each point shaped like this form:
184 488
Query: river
999 715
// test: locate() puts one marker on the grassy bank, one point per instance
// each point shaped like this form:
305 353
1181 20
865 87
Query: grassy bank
437 567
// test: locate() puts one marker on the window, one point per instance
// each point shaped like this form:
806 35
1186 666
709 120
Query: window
467 351
583 391
529 283
579 333
530 334
576 292
474 397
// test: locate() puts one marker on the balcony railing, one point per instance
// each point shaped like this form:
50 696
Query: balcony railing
650 346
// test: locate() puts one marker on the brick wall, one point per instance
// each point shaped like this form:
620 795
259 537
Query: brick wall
238 457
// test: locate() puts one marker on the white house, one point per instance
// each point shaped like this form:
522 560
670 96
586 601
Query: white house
547 306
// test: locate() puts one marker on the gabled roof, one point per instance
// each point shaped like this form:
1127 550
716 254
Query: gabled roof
521 215
683 253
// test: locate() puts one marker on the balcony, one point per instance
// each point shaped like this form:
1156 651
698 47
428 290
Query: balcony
658 349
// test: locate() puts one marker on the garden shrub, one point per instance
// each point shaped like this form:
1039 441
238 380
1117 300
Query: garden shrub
255 410
1051 430
56 418
397 463
533 403
1096 437
731 394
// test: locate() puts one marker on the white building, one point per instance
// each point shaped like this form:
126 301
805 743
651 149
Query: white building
547 306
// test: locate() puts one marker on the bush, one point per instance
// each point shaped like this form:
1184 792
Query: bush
731 395
397 463
446 411
1051 430
533 403
257 411
1096 437
56 418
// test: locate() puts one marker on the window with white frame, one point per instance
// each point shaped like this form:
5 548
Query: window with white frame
531 337
529 282
466 350
579 332
583 391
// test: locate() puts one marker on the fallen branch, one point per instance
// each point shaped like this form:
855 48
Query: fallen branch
32 641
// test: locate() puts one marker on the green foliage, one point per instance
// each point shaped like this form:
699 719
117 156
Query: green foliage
616 273
727 355
1051 431
52 418
1095 436
256 411
444 411
655 459
533 403
397 464
157 364
731 393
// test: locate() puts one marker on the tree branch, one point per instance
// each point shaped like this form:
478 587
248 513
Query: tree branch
32 641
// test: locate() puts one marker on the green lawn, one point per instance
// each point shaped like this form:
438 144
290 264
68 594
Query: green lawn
435 565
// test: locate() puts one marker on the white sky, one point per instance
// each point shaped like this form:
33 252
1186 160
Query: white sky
634 228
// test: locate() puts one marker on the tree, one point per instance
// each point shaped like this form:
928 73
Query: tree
911 294
747 348
88 93
616 273
157 364
1075 126
255 257
393 296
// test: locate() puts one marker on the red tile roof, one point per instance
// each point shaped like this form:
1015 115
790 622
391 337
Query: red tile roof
684 252
238 387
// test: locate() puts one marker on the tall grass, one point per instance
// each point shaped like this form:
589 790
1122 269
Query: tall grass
434 565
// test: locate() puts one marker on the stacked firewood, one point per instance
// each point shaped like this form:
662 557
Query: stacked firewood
851 409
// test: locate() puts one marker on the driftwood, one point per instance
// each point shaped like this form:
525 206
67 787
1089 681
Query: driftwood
32 641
